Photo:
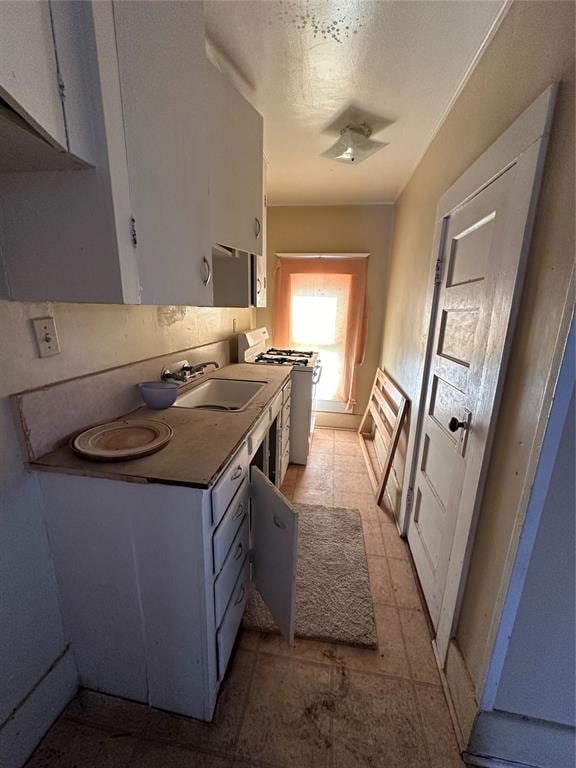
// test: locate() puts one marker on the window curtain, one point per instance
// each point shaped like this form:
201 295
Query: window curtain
343 281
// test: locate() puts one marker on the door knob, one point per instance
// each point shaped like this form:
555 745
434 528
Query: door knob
454 425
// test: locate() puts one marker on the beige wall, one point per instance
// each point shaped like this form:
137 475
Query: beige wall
92 337
328 229
533 47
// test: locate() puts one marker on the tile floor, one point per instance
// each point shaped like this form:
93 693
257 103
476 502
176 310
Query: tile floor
313 706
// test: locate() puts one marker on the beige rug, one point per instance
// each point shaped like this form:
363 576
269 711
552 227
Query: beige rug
333 599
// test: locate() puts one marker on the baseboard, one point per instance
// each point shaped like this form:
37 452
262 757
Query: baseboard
337 420
23 730
483 761
505 740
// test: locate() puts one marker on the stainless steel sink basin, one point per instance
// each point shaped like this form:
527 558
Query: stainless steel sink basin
221 395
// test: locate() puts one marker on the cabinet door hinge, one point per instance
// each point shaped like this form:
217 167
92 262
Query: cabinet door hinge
133 237
61 87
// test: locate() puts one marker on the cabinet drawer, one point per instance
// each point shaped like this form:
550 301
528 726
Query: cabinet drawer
228 629
226 579
232 520
231 480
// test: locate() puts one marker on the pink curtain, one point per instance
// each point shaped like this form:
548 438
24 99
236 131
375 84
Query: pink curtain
344 279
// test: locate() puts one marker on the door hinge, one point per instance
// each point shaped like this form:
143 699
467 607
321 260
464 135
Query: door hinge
409 500
133 237
438 271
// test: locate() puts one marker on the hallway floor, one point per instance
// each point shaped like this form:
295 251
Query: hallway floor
316 705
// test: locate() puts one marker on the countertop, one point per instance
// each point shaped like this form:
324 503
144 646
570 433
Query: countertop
203 443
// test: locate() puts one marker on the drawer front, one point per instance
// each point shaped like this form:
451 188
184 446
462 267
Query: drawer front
287 391
228 528
232 478
226 635
226 579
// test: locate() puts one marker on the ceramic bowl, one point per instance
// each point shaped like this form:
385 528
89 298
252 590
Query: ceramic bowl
158 394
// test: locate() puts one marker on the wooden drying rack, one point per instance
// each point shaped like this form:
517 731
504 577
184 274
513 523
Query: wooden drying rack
384 416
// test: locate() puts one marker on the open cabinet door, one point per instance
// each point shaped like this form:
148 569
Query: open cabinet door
274 551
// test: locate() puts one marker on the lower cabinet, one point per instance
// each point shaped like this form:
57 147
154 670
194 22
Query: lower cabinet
153 579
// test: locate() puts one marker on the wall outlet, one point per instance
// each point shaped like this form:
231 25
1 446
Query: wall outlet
46 336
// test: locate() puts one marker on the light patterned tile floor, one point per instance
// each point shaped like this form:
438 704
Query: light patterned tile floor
314 705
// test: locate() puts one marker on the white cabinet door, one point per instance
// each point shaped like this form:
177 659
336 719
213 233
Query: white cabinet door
236 131
28 69
274 551
261 278
261 259
162 68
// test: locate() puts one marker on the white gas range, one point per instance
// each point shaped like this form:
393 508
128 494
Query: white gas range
253 347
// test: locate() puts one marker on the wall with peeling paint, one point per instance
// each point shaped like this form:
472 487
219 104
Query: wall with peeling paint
92 337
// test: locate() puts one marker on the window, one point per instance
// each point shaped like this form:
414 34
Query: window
318 320
321 306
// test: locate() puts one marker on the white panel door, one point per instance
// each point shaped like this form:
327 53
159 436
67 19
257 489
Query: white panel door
274 551
480 262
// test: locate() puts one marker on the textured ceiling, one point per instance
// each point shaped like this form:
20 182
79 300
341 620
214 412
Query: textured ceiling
311 67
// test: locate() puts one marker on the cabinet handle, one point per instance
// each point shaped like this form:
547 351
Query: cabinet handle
240 595
258 285
237 472
239 511
239 550
257 226
207 272
279 523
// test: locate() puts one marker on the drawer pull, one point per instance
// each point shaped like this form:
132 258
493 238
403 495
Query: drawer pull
239 550
239 511
237 472
279 523
240 595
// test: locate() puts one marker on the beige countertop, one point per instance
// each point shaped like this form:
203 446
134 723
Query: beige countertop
203 443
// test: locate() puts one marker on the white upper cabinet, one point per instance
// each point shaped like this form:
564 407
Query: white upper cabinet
236 193
170 156
161 60
66 234
28 68
46 102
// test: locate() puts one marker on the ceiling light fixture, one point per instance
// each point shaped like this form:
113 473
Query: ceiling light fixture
354 145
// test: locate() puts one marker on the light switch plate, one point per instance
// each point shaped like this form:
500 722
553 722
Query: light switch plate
46 336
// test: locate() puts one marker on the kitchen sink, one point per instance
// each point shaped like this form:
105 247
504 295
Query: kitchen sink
221 395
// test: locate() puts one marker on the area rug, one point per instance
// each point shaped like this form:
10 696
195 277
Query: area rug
333 599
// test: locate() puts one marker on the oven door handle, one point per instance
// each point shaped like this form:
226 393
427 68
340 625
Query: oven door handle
317 375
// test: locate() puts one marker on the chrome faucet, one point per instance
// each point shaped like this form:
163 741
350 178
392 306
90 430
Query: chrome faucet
184 372
196 369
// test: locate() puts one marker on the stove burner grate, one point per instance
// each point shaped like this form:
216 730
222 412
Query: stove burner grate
289 352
